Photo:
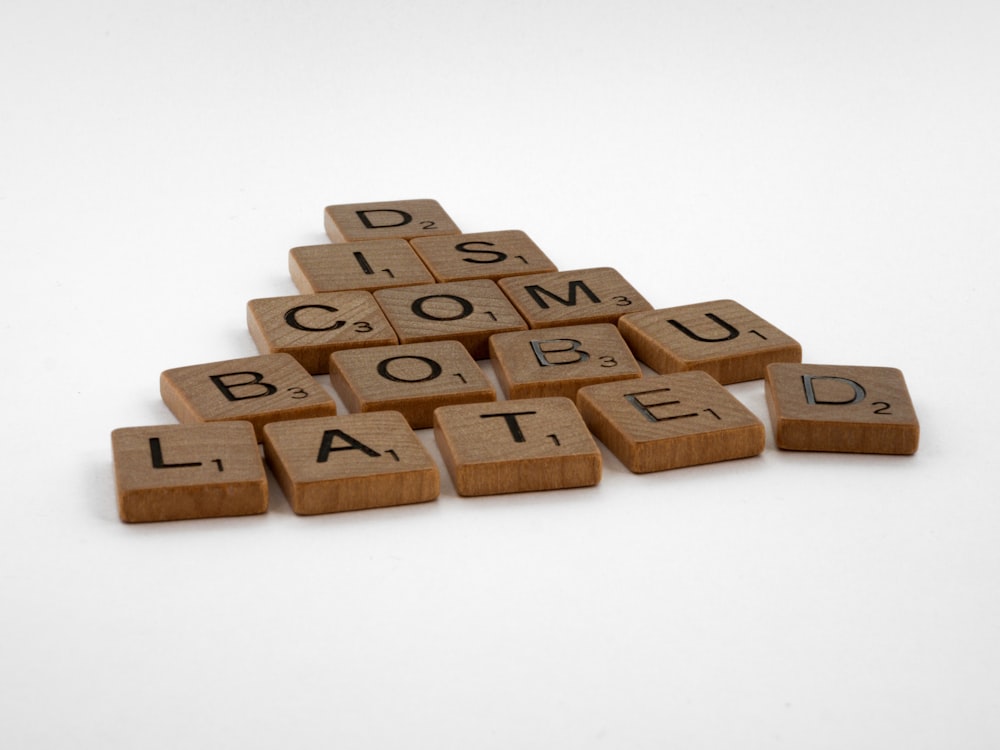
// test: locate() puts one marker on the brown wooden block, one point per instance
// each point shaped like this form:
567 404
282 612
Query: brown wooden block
589 295
559 361
516 446
354 222
466 311
173 472
261 389
670 421
484 255
841 408
313 326
413 379
723 338
378 264
350 462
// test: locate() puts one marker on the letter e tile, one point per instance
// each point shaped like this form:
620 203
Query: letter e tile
174 472
723 338
350 462
516 446
670 421
841 408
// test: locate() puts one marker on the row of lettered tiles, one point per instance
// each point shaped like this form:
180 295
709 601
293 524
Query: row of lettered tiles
326 462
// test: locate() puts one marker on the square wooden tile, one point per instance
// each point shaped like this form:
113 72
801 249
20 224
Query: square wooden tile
353 222
723 338
841 408
378 264
466 311
484 255
350 462
173 472
311 327
413 379
670 421
589 295
559 361
261 389
516 446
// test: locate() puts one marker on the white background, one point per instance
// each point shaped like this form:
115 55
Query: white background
833 166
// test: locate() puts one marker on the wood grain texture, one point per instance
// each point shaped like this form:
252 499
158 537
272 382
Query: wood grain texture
413 379
670 421
353 222
516 446
311 327
377 264
261 389
483 255
175 472
466 311
841 408
350 462
588 295
722 337
559 361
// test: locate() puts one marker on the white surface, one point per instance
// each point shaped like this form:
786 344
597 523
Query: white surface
833 166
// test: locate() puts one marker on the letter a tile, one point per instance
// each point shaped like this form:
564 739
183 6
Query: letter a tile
723 338
670 421
376 221
516 446
841 408
350 462
262 389
173 472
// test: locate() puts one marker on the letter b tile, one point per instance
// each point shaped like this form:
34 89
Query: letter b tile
841 408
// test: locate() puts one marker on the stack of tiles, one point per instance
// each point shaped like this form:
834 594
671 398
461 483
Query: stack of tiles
398 310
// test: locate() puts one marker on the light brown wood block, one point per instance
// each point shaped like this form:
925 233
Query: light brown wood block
670 421
311 327
466 311
841 408
559 361
516 446
484 255
589 295
261 389
350 462
723 338
413 379
353 222
378 264
174 472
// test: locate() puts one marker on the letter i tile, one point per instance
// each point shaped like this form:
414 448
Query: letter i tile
174 472
516 446
670 421
350 462
841 408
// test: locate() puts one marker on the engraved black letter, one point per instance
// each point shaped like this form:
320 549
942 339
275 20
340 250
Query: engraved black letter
497 255
255 379
511 419
465 307
644 409
573 346
326 447
405 218
383 369
536 293
807 384
156 453
732 332
292 319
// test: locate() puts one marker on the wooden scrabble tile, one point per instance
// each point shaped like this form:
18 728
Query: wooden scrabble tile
516 446
378 264
173 472
374 221
313 326
350 462
841 408
558 361
670 421
723 338
484 255
589 295
467 311
412 379
261 389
